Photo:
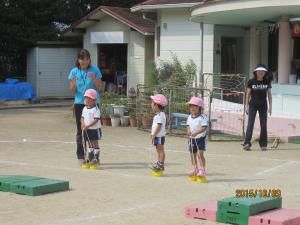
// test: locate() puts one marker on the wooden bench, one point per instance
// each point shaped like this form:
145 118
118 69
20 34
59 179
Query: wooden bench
180 120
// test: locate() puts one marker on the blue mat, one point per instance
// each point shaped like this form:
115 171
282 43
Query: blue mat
12 89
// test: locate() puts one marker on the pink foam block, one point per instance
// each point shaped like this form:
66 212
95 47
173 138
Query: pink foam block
276 217
205 211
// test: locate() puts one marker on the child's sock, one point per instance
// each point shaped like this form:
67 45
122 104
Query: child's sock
91 154
96 154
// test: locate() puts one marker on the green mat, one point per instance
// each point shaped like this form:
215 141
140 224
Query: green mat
32 186
237 210
295 141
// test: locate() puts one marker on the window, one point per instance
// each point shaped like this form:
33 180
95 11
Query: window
296 50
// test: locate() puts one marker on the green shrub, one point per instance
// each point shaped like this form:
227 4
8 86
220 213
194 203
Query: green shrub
173 73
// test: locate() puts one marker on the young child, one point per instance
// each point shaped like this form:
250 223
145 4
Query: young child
91 126
197 125
158 131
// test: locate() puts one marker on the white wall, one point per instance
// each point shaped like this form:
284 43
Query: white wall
32 67
48 69
136 48
286 99
67 62
208 48
54 66
136 60
106 24
179 36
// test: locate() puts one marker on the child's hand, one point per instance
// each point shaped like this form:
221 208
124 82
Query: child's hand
193 134
247 110
91 75
151 137
189 133
83 127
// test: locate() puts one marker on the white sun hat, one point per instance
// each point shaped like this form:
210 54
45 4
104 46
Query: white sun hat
260 68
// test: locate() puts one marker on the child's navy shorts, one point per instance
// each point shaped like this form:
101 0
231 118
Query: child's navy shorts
196 144
159 141
93 134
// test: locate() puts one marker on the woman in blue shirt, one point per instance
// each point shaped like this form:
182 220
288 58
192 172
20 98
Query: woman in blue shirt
82 77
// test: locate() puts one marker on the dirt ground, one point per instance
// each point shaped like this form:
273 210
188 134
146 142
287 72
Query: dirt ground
41 142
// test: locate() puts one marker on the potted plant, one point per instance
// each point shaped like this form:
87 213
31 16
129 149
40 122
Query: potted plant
131 96
115 120
146 120
105 119
105 109
124 121
132 119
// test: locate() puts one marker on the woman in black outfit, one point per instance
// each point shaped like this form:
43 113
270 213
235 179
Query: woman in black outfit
258 89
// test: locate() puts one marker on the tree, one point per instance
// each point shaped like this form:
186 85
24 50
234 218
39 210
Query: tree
23 22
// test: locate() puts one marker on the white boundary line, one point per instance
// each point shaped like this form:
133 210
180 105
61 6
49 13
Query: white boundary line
132 148
276 168
119 212
138 149
95 172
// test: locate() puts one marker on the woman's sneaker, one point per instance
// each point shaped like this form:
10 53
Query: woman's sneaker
192 172
263 148
247 147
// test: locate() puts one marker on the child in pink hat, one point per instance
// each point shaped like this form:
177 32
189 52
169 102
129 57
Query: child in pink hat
197 131
91 126
158 131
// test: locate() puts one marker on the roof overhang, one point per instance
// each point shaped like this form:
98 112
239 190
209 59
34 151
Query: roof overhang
128 24
142 7
244 13
78 28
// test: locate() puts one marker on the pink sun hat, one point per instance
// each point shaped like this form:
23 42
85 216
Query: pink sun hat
159 99
196 101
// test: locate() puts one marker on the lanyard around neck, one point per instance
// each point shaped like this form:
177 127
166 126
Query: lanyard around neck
82 77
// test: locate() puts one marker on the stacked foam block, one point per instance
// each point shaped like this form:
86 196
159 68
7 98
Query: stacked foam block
32 186
245 211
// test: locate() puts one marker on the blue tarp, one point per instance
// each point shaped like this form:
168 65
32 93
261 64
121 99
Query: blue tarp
12 89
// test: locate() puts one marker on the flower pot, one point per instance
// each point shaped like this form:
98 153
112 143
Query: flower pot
132 121
118 109
115 121
145 122
106 121
124 121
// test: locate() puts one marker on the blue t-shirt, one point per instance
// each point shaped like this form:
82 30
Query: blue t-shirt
84 82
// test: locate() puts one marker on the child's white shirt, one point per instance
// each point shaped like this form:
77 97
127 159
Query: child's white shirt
196 123
89 115
159 118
